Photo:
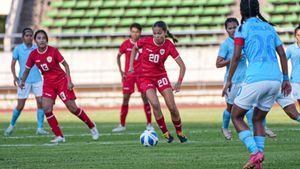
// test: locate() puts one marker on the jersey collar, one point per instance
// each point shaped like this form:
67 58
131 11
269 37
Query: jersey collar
157 44
42 52
25 47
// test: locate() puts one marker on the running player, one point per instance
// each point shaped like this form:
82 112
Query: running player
56 82
156 50
129 80
293 53
33 83
259 41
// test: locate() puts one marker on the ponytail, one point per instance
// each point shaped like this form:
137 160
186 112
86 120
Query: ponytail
170 35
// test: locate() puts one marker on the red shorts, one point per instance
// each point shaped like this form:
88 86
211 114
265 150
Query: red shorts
160 82
128 84
60 88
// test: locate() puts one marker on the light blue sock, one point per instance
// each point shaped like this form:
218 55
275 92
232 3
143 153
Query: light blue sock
260 142
40 117
246 137
249 116
15 117
298 119
226 119
265 122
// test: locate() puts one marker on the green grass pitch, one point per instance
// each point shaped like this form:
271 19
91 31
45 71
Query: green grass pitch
206 148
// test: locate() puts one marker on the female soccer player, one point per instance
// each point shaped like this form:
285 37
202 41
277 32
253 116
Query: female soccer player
33 83
156 50
259 41
293 53
56 82
129 80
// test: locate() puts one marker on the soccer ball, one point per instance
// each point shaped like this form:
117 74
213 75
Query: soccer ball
149 138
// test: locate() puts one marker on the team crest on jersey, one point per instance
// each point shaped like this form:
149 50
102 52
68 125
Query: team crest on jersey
162 51
49 59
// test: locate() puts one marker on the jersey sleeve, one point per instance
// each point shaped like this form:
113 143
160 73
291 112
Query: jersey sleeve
173 51
122 48
223 51
278 42
288 53
59 58
15 54
30 61
140 43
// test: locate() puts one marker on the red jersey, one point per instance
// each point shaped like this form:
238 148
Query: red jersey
48 63
126 49
154 56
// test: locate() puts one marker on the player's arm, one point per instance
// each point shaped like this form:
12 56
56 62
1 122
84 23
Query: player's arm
13 71
221 62
119 65
67 69
132 56
286 86
181 65
24 77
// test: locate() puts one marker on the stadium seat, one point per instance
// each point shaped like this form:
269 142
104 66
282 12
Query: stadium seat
126 21
157 12
170 11
277 19
56 4
145 12
47 23
210 11
187 3
174 3
200 2
109 4
77 41
60 22
193 20
148 3
96 30
121 3
86 22
136 3
113 21
64 13
161 3
184 11
291 18
91 41
117 12
100 22
206 20
82 30
281 9
131 12
69 4
180 21
52 13
197 11
73 22
91 13
83 4
104 12
96 3
151 21
77 13
141 21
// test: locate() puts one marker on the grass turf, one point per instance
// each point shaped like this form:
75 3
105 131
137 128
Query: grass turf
206 148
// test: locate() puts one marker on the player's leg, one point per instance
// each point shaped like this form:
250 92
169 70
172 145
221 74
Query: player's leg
147 110
153 100
37 90
123 113
226 121
292 112
175 115
72 107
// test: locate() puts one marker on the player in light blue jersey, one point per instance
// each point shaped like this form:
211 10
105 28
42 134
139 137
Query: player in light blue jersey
293 53
259 41
33 83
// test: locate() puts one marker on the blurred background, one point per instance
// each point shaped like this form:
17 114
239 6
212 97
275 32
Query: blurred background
89 32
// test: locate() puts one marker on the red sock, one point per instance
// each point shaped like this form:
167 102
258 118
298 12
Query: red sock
177 125
162 125
147 110
53 124
81 114
123 114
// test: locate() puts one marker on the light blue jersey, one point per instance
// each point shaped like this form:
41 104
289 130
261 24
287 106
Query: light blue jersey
226 52
21 54
261 41
293 53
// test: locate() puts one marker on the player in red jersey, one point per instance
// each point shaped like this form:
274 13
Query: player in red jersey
155 51
129 80
56 82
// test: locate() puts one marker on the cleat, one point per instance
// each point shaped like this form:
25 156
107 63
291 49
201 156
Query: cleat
254 160
95 133
227 134
270 133
120 128
150 127
58 139
182 138
41 131
258 166
9 130
168 136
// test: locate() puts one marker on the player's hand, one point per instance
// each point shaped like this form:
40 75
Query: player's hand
16 81
226 88
286 87
21 85
177 87
70 85
131 70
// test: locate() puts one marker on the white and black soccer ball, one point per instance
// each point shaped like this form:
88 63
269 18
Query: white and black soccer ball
149 138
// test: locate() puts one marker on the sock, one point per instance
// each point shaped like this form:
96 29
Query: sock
123 114
53 124
162 125
14 117
226 119
40 118
83 116
147 110
265 123
177 125
260 142
298 119
249 116
246 137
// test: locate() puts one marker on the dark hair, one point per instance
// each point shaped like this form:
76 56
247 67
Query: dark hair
250 8
228 20
164 27
297 28
41 31
26 30
137 26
